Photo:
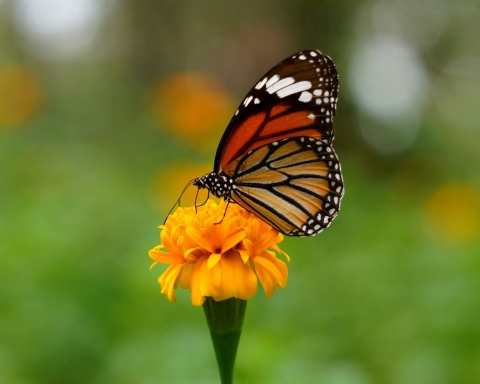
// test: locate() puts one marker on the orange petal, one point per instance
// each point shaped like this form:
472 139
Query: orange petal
215 280
189 256
248 246
271 271
277 249
168 288
238 279
244 255
166 258
261 262
205 279
198 238
196 296
267 280
217 231
185 275
167 241
265 241
213 260
233 239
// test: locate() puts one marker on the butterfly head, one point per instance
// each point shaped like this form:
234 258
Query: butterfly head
219 185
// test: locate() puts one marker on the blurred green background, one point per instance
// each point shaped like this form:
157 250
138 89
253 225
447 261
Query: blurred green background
108 107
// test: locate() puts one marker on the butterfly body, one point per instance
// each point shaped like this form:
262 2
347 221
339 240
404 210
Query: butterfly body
276 158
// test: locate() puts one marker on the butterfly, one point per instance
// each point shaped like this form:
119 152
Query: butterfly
276 159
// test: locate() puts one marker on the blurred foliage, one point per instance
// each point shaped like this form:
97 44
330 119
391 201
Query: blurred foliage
92 158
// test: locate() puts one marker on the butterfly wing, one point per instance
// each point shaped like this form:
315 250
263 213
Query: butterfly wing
294 184
298 97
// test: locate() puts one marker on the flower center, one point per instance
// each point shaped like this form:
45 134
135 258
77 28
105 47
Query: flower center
218 250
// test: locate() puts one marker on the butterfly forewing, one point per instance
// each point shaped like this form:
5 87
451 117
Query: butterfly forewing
296 98
294 184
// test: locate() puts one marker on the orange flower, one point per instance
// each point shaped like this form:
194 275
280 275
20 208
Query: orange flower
219 254
20 95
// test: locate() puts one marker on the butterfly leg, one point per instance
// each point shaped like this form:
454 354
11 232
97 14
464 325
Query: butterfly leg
205 202
224 213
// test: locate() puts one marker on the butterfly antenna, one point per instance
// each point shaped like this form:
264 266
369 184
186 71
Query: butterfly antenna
178 200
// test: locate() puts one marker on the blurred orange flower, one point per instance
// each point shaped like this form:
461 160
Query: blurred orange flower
177 175
20 94
453 212
192 104
219 254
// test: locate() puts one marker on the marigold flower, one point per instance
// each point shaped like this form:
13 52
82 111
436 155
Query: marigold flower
219 254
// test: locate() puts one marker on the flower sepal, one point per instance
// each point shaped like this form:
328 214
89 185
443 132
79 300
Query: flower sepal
225 321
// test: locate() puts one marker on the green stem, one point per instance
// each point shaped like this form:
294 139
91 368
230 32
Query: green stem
225 320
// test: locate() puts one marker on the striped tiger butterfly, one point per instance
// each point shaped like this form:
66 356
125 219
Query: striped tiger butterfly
276 158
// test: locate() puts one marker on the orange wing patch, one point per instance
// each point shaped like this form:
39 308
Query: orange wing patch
262 175
278 109
242 135
299 157
284 150
297 216
316 186
278 126
314 168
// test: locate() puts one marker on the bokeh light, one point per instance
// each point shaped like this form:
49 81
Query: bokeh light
388 81
20 94
193 105
453 212
58 29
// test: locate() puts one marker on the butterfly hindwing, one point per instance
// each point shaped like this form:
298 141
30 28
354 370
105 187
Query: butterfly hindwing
294 184
297 97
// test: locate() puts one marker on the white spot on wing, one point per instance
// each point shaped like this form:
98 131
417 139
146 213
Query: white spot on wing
311 116
302 57
313 53
248 100
257 100
261 83
305 97
272 80
294 88
280 84
317 92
